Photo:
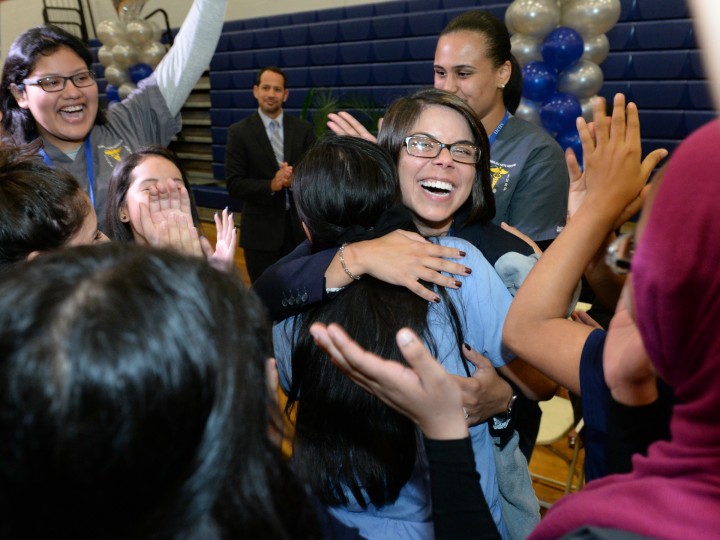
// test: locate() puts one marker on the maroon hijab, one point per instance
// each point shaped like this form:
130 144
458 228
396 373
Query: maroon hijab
674 492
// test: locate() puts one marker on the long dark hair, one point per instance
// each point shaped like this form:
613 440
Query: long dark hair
41 208
133 402
345 436
119 185
42 40
497 45
402 115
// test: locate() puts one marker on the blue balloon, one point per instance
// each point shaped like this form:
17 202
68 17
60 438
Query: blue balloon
571 139
112 93
562 47
539 81
559 113
139 71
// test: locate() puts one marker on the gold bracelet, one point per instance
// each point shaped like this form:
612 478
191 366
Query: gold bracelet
341 252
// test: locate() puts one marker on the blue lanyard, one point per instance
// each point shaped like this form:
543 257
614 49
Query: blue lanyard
90 168
498 129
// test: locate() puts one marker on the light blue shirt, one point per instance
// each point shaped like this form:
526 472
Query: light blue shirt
482 304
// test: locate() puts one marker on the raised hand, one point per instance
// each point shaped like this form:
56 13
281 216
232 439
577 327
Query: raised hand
424 392
223 256
344 123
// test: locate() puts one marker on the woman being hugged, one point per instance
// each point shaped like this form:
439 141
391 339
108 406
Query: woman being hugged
48 91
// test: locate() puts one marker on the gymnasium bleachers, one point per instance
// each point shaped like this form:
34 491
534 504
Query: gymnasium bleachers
386 49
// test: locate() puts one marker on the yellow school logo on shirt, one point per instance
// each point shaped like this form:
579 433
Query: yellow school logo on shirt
497 173
113 153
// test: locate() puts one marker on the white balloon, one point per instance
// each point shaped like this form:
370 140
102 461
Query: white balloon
529 110
152 54
596 48
110 32
526 48
587 108
583 79
105 56
157 31
590 17
125 55
125 89
139 32
116 75
532 17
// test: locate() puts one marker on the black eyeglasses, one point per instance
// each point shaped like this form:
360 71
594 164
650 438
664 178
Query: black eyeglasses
427 147
56 83
620 252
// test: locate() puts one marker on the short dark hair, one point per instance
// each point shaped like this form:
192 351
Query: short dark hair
273 69
42 40
402 115
41 207
133 402
498 48
119 185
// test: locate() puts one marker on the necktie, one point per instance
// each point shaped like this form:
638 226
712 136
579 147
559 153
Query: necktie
276 140
277 145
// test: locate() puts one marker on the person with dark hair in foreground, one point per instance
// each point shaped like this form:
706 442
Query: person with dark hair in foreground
127 408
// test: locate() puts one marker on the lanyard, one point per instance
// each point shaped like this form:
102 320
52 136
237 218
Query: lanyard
498 129
90 167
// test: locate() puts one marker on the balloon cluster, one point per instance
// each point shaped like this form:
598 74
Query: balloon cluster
130 50
559 44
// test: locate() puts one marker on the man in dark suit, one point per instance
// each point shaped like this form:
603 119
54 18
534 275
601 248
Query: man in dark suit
259 157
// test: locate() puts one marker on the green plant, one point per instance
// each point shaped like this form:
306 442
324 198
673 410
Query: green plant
319 102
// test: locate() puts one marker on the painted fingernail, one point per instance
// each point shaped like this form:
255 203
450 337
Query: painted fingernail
462 253
458 284
468 271
467 346
436 299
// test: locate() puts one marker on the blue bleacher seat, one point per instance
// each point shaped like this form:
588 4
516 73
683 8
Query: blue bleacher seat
697 68
622 36
297 77
255 23
233 26
294 36
661 9
241 41
670 34
356 52
423 5
267 57
304 17
215 197
356 12
421 48
419 73
628 10
610 88
662 65
383 9
425 24
218 152
617 65
219 170
696 119
389 50
330 14
219 135
662 124
390 26
223 43
281 19
294 56
651 95
323 32
699 95
355 29
321 55
323 75
386 74
267 37
355 75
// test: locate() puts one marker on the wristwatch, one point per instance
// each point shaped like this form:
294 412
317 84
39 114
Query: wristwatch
501 421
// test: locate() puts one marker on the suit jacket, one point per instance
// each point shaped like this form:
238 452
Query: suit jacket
250 166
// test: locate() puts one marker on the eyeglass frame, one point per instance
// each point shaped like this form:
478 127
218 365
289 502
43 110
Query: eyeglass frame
620 253
442 146
37 82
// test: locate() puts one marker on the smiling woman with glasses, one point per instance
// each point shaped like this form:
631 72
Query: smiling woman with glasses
56 83
427 147
36 101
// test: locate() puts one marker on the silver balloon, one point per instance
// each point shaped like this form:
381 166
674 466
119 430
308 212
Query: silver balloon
596 48
590 17
139 32
526 48
156 30
583 79
529 110
110 32
532 17
105 56
152 54
116 75
125 89
125 55
587 108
